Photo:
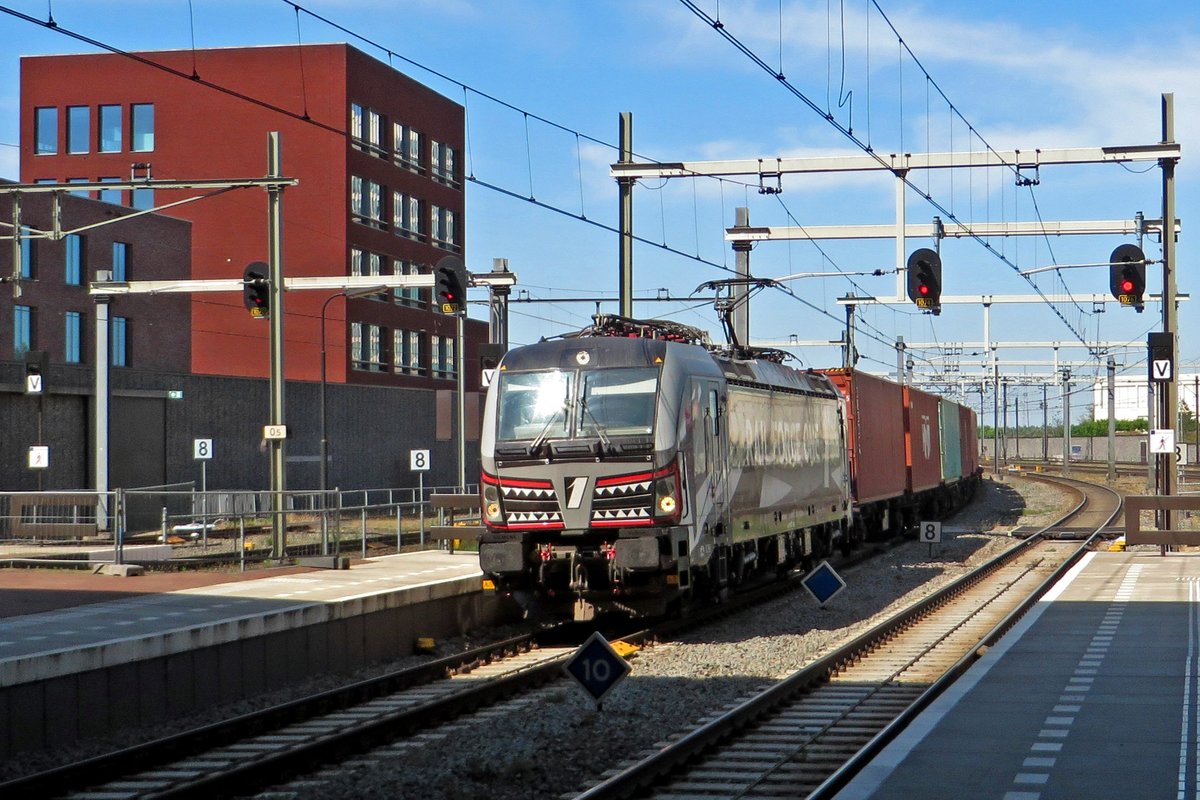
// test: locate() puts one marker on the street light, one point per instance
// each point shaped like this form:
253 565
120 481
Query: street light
348 294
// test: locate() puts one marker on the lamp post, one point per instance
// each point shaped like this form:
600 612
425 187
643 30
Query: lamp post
348 294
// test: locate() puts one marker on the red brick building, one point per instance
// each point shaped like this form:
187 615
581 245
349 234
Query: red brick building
378 157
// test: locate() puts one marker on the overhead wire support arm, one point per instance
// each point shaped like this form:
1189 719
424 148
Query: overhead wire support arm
893 162
949 230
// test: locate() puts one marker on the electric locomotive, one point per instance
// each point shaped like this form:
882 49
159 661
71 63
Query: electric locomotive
633 468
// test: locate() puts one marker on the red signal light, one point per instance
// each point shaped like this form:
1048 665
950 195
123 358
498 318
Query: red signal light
923 289
1127 286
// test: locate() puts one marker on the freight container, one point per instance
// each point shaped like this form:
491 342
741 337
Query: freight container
922 442
969 428
951 440
875 427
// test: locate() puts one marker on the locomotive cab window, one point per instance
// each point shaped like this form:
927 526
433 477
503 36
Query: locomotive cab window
534 405
590 404
618 402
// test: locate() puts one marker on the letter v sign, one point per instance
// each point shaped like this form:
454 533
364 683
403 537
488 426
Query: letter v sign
1161 369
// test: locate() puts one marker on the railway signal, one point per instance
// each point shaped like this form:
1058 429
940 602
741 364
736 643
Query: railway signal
256 290
1127 275
450 285
925 280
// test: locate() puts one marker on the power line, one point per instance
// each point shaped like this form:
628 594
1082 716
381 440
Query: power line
782 80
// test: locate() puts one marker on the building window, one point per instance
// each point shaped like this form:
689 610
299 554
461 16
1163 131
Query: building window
120 261
142 127
77 192
442 158
143 199
367 129
406 352
76 258
406 215
442 356
119 342
110 129
366 347
22 330
111 195
374 348
73 342
79 122
28 254
364 262
443 228
407 295
407 144
45 131
366 202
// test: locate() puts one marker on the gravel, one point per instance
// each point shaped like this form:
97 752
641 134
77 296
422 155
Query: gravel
554 742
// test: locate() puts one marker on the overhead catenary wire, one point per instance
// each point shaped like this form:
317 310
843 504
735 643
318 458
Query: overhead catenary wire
724 32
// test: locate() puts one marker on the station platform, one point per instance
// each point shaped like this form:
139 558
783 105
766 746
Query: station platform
114 652
1092 695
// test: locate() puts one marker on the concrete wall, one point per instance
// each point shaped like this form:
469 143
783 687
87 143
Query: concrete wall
58 711
1129 449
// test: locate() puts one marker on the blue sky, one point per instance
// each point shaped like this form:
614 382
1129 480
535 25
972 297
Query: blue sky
1022 74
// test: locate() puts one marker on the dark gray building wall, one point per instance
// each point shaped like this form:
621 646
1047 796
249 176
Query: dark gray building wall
370 430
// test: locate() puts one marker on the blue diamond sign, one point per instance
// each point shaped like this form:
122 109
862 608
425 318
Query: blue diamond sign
597 667
823 583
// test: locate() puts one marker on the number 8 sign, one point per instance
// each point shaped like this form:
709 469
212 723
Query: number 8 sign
931 532
418 460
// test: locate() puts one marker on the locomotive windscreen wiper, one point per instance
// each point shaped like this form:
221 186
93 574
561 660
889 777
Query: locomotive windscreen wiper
541 437
605 442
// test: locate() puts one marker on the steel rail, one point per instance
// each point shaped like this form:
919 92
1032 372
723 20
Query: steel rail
637 777
109 766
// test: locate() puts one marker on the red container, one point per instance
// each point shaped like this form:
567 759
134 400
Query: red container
923 442
875 433
968 426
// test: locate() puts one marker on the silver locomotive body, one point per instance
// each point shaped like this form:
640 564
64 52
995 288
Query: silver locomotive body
631 474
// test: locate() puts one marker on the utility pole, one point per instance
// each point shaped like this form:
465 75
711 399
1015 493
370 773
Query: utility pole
738 292
1045 425
1066 378
625 192
1004 403
100 427
1017 415
850 356
1112 419
1169 397
275 263
498 307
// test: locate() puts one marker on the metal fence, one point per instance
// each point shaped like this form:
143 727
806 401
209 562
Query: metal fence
177 525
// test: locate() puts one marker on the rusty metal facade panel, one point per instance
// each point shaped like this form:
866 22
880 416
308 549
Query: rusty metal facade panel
1136 504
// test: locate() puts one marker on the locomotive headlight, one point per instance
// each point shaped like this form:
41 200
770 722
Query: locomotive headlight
666 497
491 503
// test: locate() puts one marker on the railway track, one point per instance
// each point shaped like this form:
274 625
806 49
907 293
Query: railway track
264 747
267 748
809 734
